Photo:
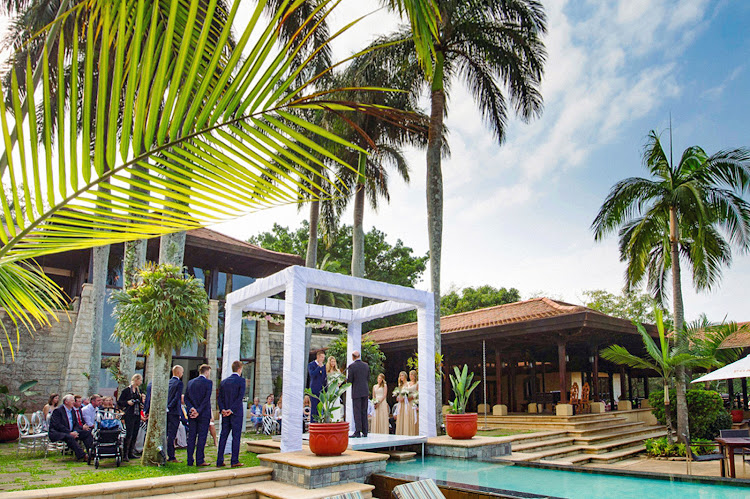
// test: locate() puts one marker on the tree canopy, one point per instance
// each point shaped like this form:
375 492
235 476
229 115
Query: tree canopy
467 299
638 307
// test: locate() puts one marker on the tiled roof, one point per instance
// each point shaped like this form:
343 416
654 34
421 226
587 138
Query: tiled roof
536 308
208 237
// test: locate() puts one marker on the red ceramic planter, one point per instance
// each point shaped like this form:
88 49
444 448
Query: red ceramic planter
737 415
9 432
329 439
461 426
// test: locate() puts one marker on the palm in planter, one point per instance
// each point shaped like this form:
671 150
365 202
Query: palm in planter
458 423
329 437
11 405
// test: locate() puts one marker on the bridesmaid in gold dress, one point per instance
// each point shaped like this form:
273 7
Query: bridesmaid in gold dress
379 422
405 417
413 388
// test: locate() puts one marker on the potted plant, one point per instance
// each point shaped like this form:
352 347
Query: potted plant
10 407
329 437
459 424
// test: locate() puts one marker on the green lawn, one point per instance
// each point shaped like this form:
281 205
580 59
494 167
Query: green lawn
36 472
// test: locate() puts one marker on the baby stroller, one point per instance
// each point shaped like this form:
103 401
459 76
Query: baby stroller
108 436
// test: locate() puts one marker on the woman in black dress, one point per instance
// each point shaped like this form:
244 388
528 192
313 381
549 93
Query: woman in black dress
130 403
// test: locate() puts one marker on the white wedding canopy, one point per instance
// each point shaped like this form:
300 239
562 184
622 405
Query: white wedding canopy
295 281
739 369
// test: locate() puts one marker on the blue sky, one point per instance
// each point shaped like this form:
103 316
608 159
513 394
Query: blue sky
519 214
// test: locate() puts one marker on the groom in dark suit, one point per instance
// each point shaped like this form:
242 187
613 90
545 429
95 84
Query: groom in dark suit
317 371
359 375
231 393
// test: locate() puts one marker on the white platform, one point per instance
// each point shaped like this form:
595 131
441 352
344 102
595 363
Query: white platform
381 441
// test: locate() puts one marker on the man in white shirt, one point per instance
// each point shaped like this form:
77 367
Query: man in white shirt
89 411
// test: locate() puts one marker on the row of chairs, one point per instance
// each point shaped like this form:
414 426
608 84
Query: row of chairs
33 435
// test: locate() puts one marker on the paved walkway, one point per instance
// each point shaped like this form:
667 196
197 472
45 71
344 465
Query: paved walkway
711 468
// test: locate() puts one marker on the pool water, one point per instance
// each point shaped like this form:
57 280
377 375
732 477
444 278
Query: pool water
569 484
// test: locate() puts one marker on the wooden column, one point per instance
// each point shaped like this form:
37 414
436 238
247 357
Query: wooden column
512 386
645 386
596 374
562 367
744 394
446 384
630 387
623 387
498 377
611 381
730 390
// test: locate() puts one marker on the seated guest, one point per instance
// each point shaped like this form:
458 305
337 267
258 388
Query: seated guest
277 415
89 411
63 427
269 422
256 414
54 401
107 416
77 415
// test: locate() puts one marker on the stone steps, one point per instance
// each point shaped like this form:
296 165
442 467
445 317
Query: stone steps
604 458
270 490
543 444
643 432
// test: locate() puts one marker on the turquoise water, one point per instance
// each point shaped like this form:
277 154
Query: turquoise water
568 484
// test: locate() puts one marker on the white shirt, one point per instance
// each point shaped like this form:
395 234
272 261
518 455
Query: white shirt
89 415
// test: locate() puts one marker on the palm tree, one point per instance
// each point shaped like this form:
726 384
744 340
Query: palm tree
166 310
199 151
687 211
708 339
663 359
491 46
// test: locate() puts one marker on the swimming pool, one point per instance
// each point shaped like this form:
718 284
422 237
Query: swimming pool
558 483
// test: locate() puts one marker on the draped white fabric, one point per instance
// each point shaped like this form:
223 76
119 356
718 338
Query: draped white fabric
295 281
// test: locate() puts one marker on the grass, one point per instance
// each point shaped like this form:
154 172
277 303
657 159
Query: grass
36 472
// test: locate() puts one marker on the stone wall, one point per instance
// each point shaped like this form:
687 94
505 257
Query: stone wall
41 355
78 361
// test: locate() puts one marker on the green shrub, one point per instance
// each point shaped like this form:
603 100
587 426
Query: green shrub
660 447
706 413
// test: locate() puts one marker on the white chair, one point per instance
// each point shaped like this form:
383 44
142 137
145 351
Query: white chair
39 425
28 440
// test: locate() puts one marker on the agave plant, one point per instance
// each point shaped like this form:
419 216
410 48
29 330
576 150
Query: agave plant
462 388
150 141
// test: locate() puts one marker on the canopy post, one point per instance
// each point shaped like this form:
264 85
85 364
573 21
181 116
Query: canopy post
427 381
294 356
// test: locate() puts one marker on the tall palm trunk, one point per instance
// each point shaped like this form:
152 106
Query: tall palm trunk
100 257
358 231
683 428
435 206
171 251
668 411
134 260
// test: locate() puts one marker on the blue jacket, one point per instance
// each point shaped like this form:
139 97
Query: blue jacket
198 397
173 399
231 392
317 376
147 403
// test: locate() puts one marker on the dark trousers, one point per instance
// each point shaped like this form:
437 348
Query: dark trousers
132 425
314 401
359 408
229 424
196 439
173 423
72 442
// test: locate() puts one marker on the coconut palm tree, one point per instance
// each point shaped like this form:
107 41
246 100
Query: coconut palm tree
663 359
691 211
495 48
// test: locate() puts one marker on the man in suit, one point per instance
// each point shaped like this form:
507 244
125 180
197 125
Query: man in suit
358 374
198 404
317 371
147 402
77 408
174 399
231 393
63 427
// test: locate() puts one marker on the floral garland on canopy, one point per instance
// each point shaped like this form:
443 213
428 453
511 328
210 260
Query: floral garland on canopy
279 320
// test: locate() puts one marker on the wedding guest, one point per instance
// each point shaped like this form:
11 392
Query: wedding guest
63 427
277 415
50 406
174 398
379 394
269 423
77 406
256 414
89 412
130 403
413 389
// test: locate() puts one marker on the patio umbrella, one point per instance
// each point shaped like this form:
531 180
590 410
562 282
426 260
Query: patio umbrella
739 369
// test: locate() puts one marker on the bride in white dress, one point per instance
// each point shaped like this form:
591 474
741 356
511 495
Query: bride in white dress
333 374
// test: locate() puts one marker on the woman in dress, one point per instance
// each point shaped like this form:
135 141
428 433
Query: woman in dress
334 375
379 394
54 400
269 423
413 388
405 418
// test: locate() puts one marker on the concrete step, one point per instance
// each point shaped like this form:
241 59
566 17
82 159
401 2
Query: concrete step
621 443
244 491
533 437
539 445
643 432
600 430
545 454
276 490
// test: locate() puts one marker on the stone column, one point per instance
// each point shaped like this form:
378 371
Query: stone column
263 378
212 344
79 357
